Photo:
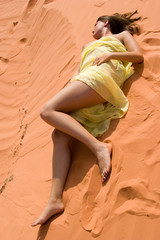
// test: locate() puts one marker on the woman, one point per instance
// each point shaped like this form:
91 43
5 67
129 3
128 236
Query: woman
84 108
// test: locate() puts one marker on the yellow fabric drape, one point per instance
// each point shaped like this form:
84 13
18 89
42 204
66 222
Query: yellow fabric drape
107 80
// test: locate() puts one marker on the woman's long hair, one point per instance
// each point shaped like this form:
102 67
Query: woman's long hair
121 22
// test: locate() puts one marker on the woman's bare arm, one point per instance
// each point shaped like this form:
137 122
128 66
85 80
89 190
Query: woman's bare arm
133 53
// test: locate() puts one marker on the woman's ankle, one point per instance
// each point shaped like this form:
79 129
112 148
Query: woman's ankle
99 147
55 200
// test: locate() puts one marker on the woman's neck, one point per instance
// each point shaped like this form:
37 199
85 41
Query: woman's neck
106 32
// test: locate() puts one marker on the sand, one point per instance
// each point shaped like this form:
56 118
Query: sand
40 46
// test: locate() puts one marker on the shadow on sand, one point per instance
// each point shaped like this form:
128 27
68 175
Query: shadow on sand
44 228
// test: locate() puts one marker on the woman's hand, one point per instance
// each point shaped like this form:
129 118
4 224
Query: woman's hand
102 59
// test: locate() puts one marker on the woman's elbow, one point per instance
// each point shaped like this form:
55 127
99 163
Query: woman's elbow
140 58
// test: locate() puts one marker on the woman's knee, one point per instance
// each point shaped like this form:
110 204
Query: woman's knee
58 136
48 109
45 112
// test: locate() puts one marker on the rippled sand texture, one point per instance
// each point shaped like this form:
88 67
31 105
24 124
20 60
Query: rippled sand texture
40 46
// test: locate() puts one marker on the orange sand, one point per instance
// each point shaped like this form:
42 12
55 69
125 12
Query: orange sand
40 46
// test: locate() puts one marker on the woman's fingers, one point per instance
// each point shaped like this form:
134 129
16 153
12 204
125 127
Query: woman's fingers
98 61
102 59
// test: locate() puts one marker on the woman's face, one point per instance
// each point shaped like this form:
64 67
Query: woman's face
98 29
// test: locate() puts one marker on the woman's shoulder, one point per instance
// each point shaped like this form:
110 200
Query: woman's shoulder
122 35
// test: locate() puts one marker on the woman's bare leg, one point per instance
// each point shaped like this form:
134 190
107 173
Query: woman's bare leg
73 97
61 163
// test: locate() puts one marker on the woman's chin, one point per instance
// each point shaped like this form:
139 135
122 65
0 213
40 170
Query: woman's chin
95 36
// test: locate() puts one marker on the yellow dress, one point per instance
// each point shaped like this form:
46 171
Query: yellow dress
107 80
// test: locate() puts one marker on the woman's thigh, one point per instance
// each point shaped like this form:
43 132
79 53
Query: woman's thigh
74 96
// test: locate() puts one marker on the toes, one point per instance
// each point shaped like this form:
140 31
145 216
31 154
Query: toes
38 221
104 179
34 224
105 175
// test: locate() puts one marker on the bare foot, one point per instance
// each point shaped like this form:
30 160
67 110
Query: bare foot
104 160
51 209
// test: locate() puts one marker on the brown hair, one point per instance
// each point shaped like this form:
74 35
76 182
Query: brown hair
121 22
